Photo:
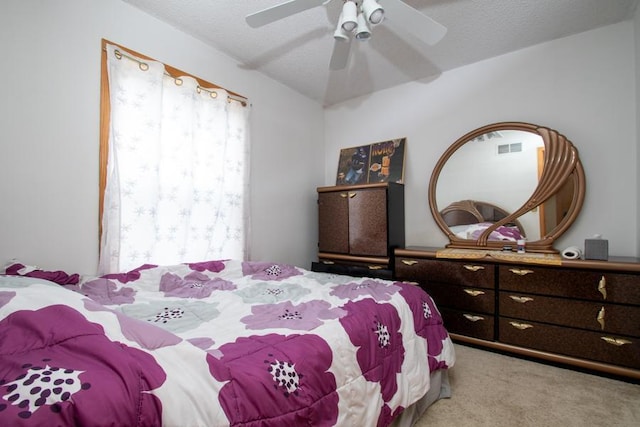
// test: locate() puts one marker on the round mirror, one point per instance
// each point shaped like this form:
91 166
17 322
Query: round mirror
505 182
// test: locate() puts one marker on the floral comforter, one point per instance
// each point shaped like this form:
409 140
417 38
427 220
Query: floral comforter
213 344
474 231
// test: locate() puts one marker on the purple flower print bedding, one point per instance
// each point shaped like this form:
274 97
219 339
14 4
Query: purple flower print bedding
474 231
216 343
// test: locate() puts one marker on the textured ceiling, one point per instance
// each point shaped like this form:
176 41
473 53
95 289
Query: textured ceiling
296 50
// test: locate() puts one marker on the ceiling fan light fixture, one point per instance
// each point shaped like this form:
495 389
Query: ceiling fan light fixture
340 34
362 32
349 20
373 11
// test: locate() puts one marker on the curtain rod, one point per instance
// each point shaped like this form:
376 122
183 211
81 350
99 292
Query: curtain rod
212 92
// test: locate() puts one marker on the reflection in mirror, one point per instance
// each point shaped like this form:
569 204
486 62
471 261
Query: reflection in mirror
504 181
468 219
498 167
556 208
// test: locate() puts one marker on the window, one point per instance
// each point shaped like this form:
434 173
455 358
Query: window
173 165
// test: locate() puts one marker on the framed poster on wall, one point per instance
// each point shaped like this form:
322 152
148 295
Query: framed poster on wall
367 164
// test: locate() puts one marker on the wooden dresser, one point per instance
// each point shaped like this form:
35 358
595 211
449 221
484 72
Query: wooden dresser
582 313
358 228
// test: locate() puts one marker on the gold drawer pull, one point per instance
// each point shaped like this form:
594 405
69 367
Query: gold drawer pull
328 262
600 318
409 261
473 292
521 326
343 195
615 341
521 300
602 287
375 267
352 194
520 272
473 267
473 318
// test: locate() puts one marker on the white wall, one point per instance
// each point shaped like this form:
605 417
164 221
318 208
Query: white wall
583 86
49 136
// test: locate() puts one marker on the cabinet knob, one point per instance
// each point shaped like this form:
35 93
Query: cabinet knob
602 287
520 272
409 261
375 267
521 326
350 194
600 318
473 267
519 299
474 292
615 341
473 318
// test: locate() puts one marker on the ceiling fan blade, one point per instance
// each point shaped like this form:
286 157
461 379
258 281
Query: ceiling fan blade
279 11
413 21
340 55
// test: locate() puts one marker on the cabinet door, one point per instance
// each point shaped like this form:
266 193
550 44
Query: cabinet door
333 222
368 222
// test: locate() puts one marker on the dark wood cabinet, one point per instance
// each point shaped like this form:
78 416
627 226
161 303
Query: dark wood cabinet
353 221
581 313
358 228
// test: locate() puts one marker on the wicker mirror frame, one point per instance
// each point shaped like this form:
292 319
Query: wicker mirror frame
561 163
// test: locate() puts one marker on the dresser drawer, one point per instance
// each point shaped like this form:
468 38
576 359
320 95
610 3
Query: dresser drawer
479 300
610 318
475 274
601 347
378 271
468 323
570 283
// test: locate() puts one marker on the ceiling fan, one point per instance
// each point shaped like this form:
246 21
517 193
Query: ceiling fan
356 18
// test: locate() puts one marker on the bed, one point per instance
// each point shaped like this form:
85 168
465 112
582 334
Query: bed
468 219
217 343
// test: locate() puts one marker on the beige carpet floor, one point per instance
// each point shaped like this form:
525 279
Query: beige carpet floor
490 389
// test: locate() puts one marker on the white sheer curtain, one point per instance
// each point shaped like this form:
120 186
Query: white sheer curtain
177 171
